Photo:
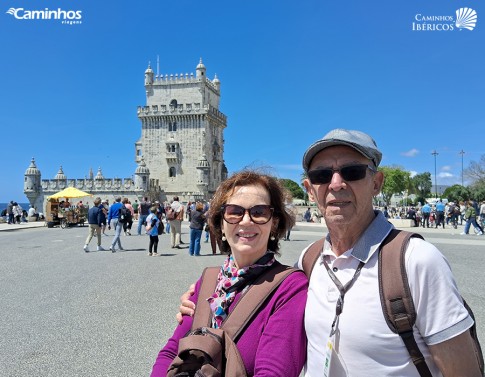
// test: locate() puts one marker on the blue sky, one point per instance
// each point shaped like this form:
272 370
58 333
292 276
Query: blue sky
290 71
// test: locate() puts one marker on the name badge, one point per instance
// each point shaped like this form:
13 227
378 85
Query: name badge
334 364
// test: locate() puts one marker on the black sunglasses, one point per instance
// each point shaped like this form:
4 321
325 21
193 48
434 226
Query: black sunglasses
259 214
348 173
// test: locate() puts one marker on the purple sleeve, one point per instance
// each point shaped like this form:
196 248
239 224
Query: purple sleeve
170 350
273 344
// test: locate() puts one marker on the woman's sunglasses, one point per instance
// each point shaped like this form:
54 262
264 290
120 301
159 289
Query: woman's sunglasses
259 214
348 173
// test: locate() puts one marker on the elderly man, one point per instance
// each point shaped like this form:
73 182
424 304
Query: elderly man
342 179
356 340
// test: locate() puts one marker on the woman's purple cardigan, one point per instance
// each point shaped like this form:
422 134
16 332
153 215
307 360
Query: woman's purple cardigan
274 343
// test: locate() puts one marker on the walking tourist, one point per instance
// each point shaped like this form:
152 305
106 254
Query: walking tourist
482 213
426 211
307 216
113 219
175 218
105 208
471 219
11 217
440 214
144 210
129 221
343 178
197 221
135 206
153 223
95 221
17 212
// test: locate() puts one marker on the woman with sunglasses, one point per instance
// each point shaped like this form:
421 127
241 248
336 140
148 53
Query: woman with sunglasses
248 214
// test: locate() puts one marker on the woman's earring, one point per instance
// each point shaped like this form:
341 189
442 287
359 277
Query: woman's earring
272 238
224 237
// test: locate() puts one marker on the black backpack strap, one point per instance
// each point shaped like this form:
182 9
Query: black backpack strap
396 300
202 316
254 297
311 256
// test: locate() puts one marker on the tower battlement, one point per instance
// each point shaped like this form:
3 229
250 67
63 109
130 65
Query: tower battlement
182 109
164 80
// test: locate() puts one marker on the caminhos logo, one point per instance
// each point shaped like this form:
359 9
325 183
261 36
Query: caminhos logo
65 16
466 18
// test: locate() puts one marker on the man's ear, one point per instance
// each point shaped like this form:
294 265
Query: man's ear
378 182
309 189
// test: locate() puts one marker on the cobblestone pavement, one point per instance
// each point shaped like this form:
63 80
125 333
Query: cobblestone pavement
69 313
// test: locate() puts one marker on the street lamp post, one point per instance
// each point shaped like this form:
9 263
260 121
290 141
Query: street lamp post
462 152
434 153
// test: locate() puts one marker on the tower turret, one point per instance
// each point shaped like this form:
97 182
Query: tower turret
148 76
203 168
200 70
61 178
32 185
216 83
142 174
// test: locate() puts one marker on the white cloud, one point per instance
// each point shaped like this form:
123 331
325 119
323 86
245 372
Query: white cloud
445 175
411 153
446 168
413 173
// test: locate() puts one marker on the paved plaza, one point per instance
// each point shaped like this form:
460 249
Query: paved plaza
65 312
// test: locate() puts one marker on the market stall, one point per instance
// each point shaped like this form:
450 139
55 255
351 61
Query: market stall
63 213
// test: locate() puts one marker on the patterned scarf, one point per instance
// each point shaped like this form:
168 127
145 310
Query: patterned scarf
230 281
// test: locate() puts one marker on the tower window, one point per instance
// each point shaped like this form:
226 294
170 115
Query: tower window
172 126
171 172
173 103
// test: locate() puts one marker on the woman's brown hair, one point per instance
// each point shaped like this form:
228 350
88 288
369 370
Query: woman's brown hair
277 194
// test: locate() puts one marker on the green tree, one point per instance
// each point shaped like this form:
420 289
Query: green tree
294 188
422 185
396 181
456 193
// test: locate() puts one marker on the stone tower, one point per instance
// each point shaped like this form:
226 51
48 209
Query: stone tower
32 184
182 129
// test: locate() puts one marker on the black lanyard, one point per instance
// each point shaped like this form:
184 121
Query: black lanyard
342 289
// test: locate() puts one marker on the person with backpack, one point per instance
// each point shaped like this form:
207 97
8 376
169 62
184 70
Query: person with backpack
343 179
152 229
471 219
127 214
175 216
197 221
248 214
348 332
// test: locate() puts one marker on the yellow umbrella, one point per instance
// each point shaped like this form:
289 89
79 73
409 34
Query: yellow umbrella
70 192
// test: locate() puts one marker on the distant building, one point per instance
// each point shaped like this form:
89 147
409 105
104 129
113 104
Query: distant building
180 151
38 190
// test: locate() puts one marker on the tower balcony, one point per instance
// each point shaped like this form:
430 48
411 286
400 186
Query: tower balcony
171 156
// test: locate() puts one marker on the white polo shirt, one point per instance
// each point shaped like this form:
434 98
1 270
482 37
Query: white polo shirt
366 344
